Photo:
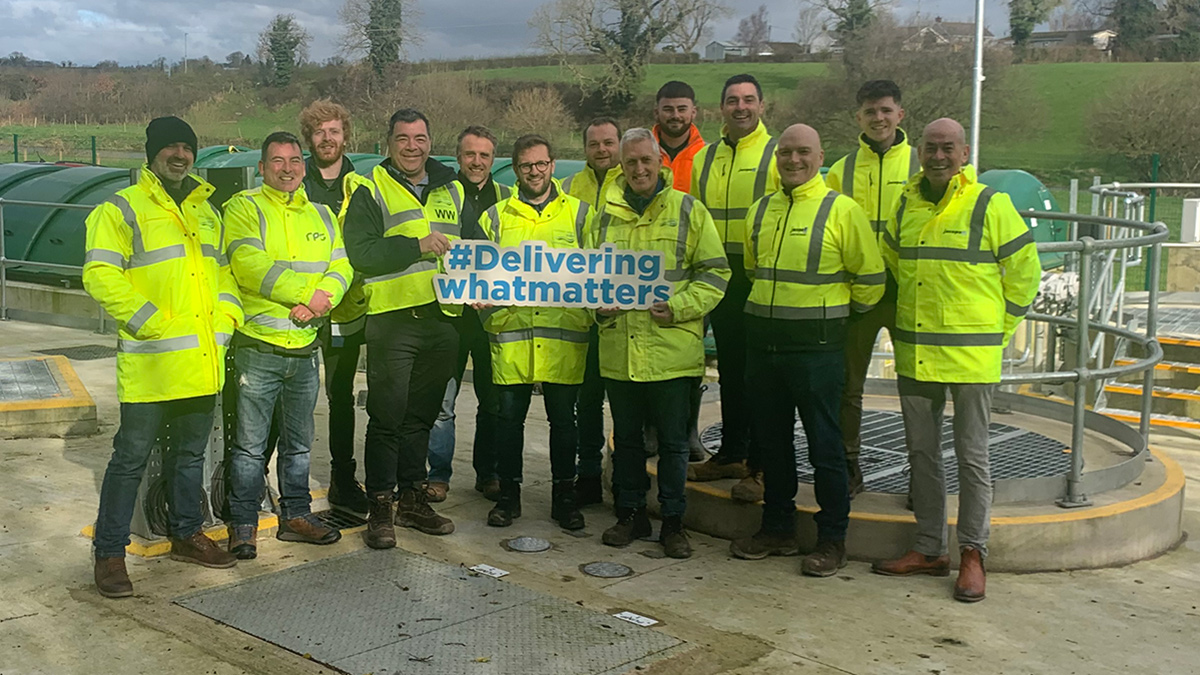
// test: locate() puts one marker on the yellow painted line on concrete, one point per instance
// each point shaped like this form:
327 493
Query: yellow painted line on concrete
65 376
266 523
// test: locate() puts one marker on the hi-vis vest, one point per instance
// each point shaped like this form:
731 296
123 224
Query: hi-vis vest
812 255
875 182
349 317
538 344
728 180
583 185
633 346
159 270
967 269
283 248
405 215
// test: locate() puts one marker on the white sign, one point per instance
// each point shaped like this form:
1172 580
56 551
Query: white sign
489 571
643 621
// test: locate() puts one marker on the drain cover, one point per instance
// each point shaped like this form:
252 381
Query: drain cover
606 570
339 519
27 380
527 545
82 352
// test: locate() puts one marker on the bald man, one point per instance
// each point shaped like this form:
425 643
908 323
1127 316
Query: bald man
967 270
814 264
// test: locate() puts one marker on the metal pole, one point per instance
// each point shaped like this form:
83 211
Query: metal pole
977 86
95 161
3 268
1152 273
16 153
1075 496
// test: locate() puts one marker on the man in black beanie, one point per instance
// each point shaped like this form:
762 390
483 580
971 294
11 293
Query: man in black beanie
169 140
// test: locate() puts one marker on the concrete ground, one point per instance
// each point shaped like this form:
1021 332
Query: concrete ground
741 617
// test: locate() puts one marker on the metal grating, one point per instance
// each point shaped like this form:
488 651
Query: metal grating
1175 321
82 352
27 380
338 519
392 611
1014 453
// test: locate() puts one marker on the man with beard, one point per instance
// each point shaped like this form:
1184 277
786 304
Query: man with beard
476 153
546 345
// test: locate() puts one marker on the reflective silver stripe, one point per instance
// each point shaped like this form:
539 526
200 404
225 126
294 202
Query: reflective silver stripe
276 323
861 307
130 218
677 274
734 247
710 154
797 313
950 339
543 333
887 239
817 238
304 267
605 219
224 339
448 229
712 279
914 162
764 170
712 264
379 198
796 277
338 254
871 279
230 298
728 214
415 268
506 192
209 251
566 184
248 241
328 217
487 312
456 196
758 220
340 279
1015 309
878 226
580 221
493 215
268 282
140 317
391 220
175 344
848 174
158 255
106 256
348 328
685 223
1015 245
262 220
900 215
978 216
946 254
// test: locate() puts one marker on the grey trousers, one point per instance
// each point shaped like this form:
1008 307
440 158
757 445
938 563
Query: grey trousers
923 405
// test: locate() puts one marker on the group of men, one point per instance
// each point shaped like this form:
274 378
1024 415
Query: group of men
796 273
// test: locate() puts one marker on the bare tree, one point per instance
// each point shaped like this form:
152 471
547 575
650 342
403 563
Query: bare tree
696 23
754 30
851 18
379 30
811 23
1078 15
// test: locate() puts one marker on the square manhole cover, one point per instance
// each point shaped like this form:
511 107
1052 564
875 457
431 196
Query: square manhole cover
82 352
27 380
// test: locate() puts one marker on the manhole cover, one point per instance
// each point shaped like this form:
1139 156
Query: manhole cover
82 352
339 519
27 380
606 570
527 545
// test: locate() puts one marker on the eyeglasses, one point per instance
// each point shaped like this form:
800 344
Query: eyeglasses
530 167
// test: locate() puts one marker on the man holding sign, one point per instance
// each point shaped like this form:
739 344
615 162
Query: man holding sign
651 359
532 344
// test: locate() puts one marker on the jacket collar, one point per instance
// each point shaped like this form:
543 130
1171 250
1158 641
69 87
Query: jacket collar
965 179
815 187
517 203
694 138
614 196
313 172
297 199
149 181
900 145
747 140
438 174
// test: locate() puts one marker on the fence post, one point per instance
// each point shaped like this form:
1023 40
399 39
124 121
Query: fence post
3 266
16 154
94 160
1075 497
377 148
1152 272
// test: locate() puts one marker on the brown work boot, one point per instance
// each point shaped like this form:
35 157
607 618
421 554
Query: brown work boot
436 491
856 477
715 470
380 531
972 579
826 560
201 550
748 490
307 529
243 541
631 524
489 488
914 563
413 511
763 544
674 538
111 578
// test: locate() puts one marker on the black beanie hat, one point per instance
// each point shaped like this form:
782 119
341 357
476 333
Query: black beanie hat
164 131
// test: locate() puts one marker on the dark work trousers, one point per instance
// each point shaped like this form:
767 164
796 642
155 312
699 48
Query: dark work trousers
861 334
809 383
729 330
340 355
410 358
666 406
473 343
510 434
590 411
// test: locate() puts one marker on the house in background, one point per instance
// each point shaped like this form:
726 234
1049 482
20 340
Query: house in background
717 50
1101 40
824 43
952 34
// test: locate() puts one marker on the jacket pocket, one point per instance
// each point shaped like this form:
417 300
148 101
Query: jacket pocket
969 314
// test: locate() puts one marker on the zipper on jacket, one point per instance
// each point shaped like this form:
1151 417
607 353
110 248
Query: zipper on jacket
728 187
779 250
879 197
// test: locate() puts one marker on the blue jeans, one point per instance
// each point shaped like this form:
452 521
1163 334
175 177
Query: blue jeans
191 422
262 380
667 406
441 438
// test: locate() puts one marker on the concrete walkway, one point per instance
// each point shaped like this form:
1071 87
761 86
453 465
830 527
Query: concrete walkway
741 617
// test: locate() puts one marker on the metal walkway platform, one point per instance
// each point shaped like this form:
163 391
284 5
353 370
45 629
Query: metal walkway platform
43 397
388 612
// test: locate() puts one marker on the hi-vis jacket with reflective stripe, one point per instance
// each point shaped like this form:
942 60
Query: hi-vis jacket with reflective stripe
583 185
968 270
633 347
729 179
405 215
875 181
158 269
350 315
282 248
538 344
812 256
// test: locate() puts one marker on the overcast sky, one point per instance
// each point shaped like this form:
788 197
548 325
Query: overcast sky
139 31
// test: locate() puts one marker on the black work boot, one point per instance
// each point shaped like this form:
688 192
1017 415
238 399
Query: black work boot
413 510
674 538
589 490
631 524
563 507
380 531
509 506
347 493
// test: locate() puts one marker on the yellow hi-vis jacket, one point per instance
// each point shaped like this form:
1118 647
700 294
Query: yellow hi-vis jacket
633 346
875 181
538 344
967 269
158 269
583 185
283 248
349 317
405 215
729 179
811 255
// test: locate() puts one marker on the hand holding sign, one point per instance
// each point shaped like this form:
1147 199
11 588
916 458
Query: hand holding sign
662 314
